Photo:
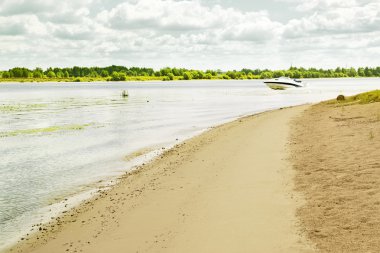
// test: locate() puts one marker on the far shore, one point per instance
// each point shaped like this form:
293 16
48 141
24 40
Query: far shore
140 79
124 73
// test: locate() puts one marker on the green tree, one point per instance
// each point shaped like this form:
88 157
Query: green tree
171 76
266 75
208 76
6 74
37 74
297 74
232 74
197 74
25 73
187 76
166 71
361 72
51 74
104 73
59 74
176 72
118 76
212 72
115 76
278 73
122 76
368 72
16 72
93 73
76 72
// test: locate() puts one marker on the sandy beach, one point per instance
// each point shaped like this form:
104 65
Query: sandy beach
228 190
335 152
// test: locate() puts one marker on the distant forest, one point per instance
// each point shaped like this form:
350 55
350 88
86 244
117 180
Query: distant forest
121 73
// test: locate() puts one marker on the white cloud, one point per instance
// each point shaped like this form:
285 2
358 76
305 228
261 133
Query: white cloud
307 5
252 27
162 14
14 7
21 25
193 18
343 19
184 33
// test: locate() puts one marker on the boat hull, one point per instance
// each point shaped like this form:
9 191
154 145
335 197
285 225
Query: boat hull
281 85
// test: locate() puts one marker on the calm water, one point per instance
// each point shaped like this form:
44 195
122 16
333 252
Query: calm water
59 139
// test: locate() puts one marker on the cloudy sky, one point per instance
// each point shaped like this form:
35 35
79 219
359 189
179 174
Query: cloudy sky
201 34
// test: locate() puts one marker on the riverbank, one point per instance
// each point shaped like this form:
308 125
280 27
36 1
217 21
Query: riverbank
227 190
79 79
336 150
152 79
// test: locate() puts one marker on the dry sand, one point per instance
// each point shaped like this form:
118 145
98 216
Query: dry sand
227 190
336 154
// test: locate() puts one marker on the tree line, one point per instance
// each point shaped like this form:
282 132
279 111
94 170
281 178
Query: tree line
121 73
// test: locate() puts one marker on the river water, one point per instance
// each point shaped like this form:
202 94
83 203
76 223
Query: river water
62 140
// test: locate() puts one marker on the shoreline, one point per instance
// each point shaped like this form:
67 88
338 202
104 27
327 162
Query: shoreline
56 226
66 203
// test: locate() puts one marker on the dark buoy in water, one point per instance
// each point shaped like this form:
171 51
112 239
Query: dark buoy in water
124 94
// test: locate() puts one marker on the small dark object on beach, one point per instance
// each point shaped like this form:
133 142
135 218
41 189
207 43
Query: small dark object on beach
340 98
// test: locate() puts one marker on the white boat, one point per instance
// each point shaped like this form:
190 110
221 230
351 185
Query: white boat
283 83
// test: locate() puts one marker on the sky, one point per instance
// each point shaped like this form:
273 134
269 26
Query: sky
198 34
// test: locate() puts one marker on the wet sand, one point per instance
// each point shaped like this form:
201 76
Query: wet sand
228 190
336 155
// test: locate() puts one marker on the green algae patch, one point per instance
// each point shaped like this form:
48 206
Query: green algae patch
79 103
50 129
21 107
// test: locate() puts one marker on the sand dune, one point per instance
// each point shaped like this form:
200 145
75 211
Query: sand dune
336 154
